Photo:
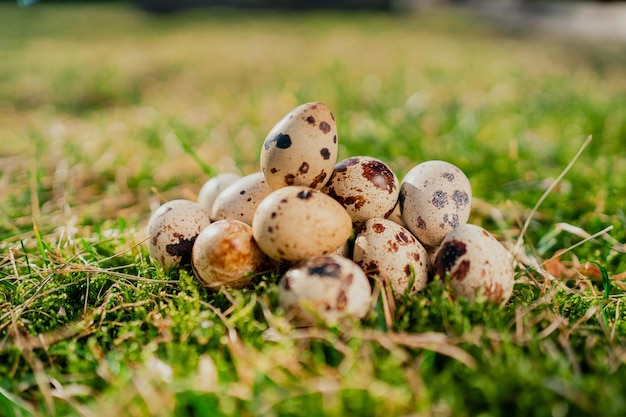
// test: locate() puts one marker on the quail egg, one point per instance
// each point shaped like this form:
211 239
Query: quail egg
240 200
435 197
477 264
301 149
225 254
365 186
329 287
173 229
213 187
294 223
386 249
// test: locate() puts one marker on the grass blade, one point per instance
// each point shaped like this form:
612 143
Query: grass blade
180 132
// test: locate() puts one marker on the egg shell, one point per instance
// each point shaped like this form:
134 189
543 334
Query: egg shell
344 250
294 223
477 264
173 228
396 215
240 200
435 197
384 248
225 254
213 187
301 149
366 187
329 287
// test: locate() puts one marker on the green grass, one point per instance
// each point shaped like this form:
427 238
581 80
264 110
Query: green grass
105 112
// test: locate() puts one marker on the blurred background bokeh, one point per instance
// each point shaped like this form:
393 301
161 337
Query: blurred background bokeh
95 97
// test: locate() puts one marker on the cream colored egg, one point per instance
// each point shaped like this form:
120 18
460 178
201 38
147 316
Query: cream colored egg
225 254
173 229
366 187
213 187
327 287
435 197
477 264
294 223
240 200
390 251
301 149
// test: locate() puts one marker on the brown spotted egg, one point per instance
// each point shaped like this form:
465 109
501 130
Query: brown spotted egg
477 264
435 197
240 200
390 251
366 187
294 223
225 254
173 229
327 287
301 149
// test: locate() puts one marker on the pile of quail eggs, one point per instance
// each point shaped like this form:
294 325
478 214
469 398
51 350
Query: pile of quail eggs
331 226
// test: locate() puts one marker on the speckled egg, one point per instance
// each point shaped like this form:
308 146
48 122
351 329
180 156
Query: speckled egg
366 187
240 200
301 149
386 249
478 265
213 187
327 287
173 229
225 254
294 223
435 197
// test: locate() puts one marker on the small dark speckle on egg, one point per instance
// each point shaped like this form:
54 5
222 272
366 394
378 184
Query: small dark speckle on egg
379 174
325 269
462 270
182 249
342 300
325 153
452 220
448 255
305 195
378 227
440 199
495 292
403 238
290 179
318 179
460 198
448 175
324 127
